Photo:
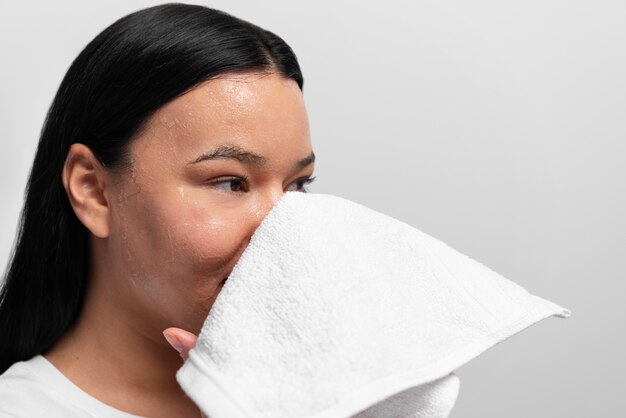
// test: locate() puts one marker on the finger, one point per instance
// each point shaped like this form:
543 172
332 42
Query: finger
181 340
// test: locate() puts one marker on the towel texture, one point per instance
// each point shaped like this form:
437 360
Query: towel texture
335 310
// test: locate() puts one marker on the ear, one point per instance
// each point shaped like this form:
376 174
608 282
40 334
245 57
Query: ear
84 180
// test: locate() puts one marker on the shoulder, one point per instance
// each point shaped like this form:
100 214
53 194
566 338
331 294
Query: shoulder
36 388
25 393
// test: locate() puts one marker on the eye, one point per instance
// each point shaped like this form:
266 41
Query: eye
237 181
241 183
302 182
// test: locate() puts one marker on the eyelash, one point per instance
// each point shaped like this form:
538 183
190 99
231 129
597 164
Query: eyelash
244 179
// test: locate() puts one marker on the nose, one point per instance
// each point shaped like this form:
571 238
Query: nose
264 205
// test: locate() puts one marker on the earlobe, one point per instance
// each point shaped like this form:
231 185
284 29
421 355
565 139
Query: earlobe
84 178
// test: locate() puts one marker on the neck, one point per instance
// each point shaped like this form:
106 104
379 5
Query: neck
110 355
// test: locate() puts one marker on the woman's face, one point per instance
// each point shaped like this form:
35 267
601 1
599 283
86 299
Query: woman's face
206 170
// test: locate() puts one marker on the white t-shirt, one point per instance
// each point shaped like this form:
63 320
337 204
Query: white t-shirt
35 388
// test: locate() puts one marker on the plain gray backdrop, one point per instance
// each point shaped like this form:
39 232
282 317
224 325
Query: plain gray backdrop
495 126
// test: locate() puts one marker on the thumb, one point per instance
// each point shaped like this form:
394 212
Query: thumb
181 340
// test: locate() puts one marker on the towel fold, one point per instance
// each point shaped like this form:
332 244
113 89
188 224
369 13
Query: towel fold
335 310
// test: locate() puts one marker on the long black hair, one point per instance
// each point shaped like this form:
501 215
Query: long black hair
133 67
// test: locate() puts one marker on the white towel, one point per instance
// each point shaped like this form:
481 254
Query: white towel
335 310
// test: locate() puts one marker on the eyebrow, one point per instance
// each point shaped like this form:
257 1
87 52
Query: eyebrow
232 152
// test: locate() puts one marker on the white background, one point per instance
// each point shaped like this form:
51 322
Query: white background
498 127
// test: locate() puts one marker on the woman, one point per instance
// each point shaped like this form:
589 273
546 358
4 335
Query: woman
170 138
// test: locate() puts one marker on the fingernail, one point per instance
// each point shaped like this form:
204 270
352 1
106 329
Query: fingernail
174 342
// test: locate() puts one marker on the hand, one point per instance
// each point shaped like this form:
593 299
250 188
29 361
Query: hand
182 341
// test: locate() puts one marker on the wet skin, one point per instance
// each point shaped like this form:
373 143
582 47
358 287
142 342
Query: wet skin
165 232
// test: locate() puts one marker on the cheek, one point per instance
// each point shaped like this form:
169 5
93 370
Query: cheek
201 254
203 248
177 255
179 237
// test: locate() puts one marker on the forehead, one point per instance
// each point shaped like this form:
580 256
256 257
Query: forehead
257 111
232 91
